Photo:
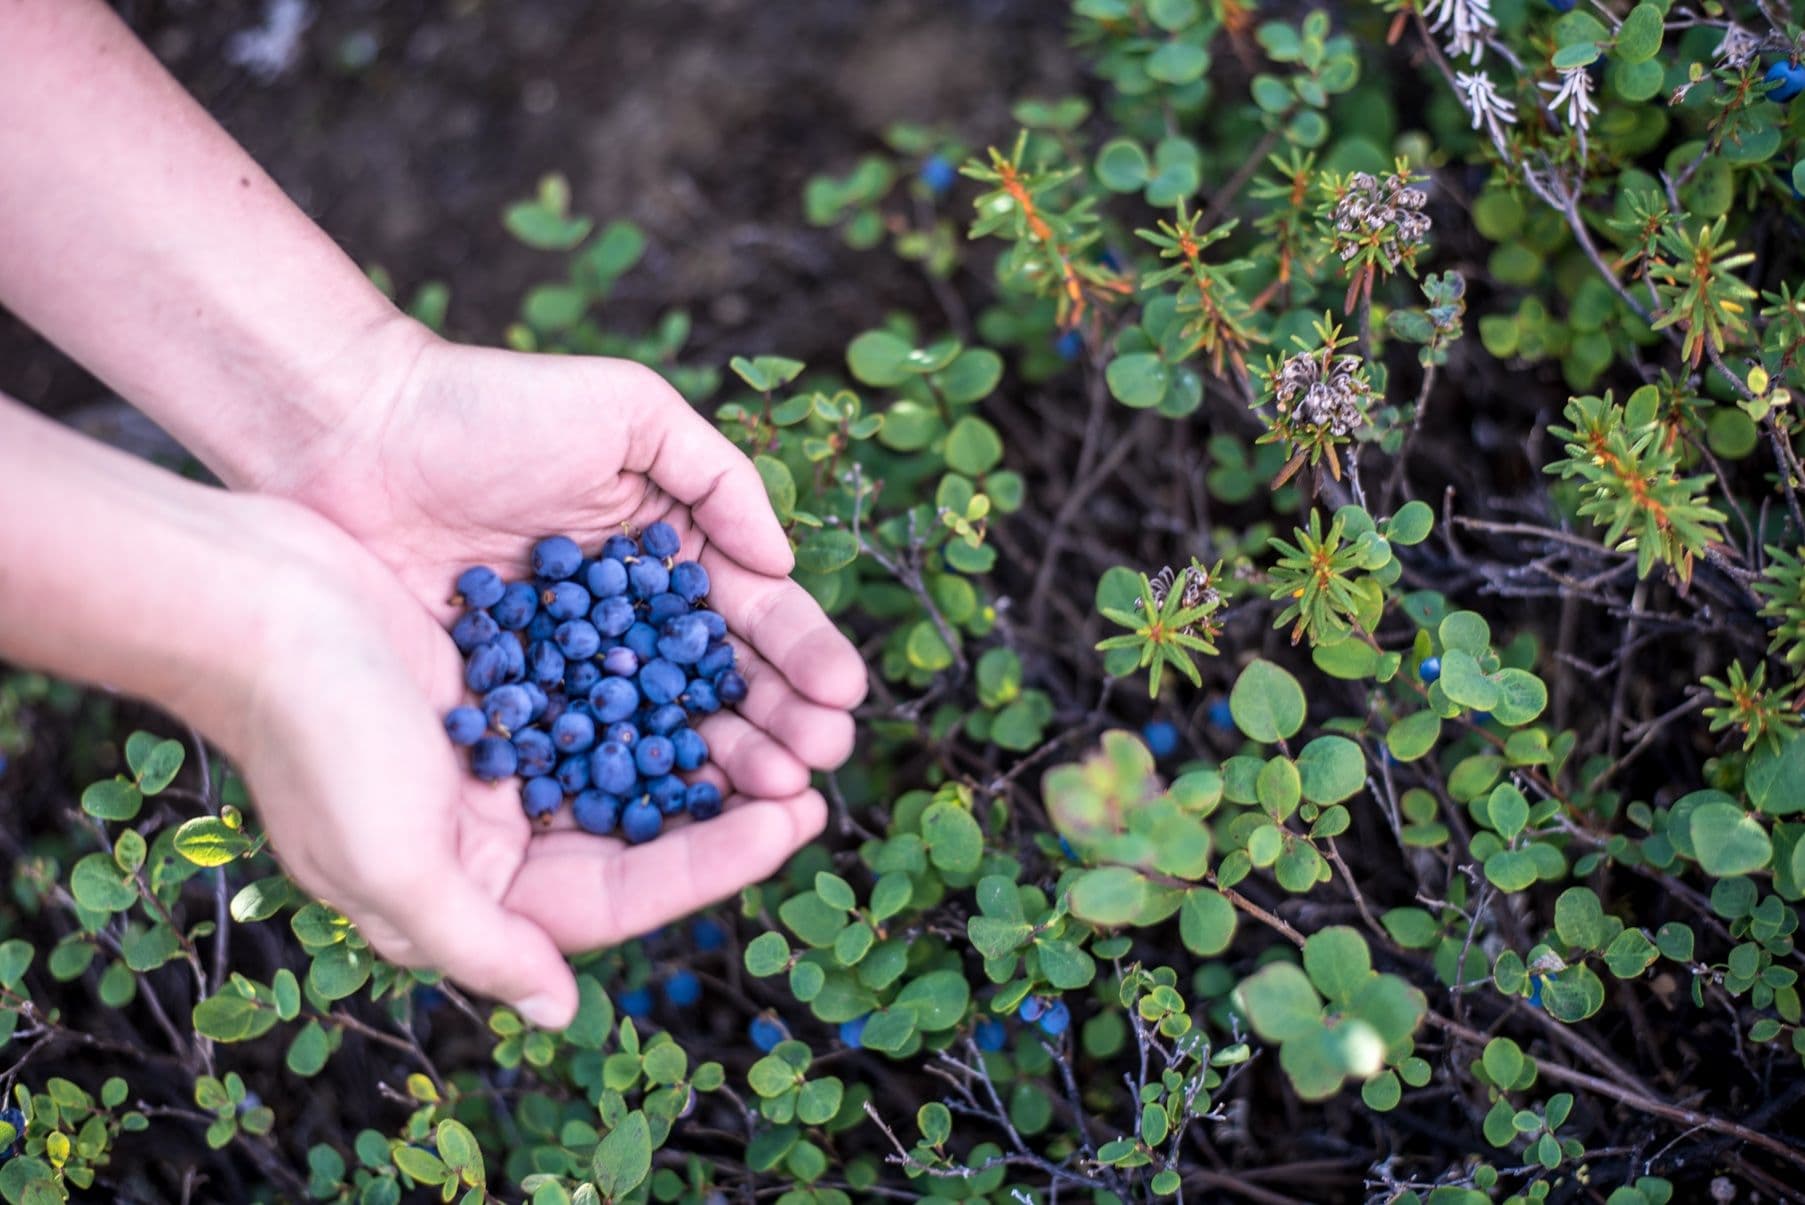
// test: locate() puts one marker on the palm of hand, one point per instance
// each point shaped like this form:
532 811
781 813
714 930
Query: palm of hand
481 453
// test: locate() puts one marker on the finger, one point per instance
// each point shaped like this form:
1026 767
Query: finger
787 627
755 764
687 458
588 893
820 737
460 930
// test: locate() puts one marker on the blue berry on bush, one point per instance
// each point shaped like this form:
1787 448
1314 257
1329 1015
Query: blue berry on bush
1069 345
1220 717
595 811
938 175
493 758
641 821
14 1118
480 586
852 1033
682 989
660 540
702 800
1789 76
541 797
1031 1008
991 1034
1429 670
1562 6
707 934
636 1003
1161 737
766 1033
1056 1019
465 725
556 557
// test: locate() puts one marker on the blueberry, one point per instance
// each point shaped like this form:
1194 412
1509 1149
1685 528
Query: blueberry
682 989
716 661
565 600
545 664
1056 1020
541 797
702 800
662 608
766 1033
684 640
612 616
595 812
707 934
620 548
691 750
513 657
666 791
556 557
606 578
508 708
1429 670
636 1003
519 603
574 732
938 175
472 629
646 578
689 581
622 733
662 721
731 687
655 755
1220 716
1069 345
539 627
1065 847
580 677
991 1034
622 662
1789 76
660 540
660 681
573 774
539 700
1535 992
642 638
465 725
614 699
640 822
1161 737
1031 1008
852 1033
486 669
578 639
611 768
536 753
1562 6
14 1118
717 627
493 758
701 697
480 586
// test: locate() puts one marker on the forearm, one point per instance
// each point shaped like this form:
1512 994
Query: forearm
143 241
117 573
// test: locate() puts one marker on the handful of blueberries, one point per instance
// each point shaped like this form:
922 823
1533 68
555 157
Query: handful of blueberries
590 674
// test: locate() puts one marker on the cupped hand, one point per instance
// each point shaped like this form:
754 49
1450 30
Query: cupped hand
476 454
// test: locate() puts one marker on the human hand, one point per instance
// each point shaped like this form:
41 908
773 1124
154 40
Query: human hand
479 452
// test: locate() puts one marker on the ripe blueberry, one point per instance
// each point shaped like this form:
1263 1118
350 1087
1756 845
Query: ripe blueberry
611 768
766 1033
852 1033
465 725
578 639
508 708
660 681
991 1034
691 750
1429 670
701 697
519 602
646 578
606 578
684 641
641 821
938 175
665 720
536 753
556 557
487 668
622 733
717 627
1789 76
642 638
731 687
573 774
1031 1008
715 661
654 755
580 677
702 800
666 791
573 732
565 600
480 586
707 934
474 628
622 662
620 548
660 540
1161 737
1069 345
614 699
493 758
1056 1020
612 616
1220 716
595 812
636 1003
541 797
545 664
689 581
682 989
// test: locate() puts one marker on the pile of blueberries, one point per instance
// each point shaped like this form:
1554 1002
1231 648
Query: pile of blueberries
590 675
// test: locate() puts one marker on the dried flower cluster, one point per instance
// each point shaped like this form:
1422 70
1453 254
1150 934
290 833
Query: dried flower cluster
1196 590
1392 211
1316 389
1467 24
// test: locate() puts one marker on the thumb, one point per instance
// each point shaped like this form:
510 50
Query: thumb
494 952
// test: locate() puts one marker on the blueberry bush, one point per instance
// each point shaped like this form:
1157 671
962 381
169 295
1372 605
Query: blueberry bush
1329 549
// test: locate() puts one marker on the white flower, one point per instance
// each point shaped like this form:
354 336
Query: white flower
1489 110
1574 91
1468 22
1738 48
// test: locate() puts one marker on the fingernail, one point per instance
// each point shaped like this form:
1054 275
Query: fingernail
542 1011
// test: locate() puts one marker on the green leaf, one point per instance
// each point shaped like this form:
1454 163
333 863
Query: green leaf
542 229
1109 896
1338 962
1267 703
1413 736
308 1053
1521 697
1412 523
1412 928
939 999
780 484
340 970
616 249
1138 379
230 1017
209 841
99 885
1503 1060
1462 681
1728 841
1573 994
1639 37
1279 1002
1122 165
1206 922
973 447
624 1158
1278 786
1064 964
1511 869
878 357
1507 810
15 959
113 799
826 550
1332 769
1630 954
421 1166
954 840
1579 919
972 376
819 1100
994 938
1775 781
